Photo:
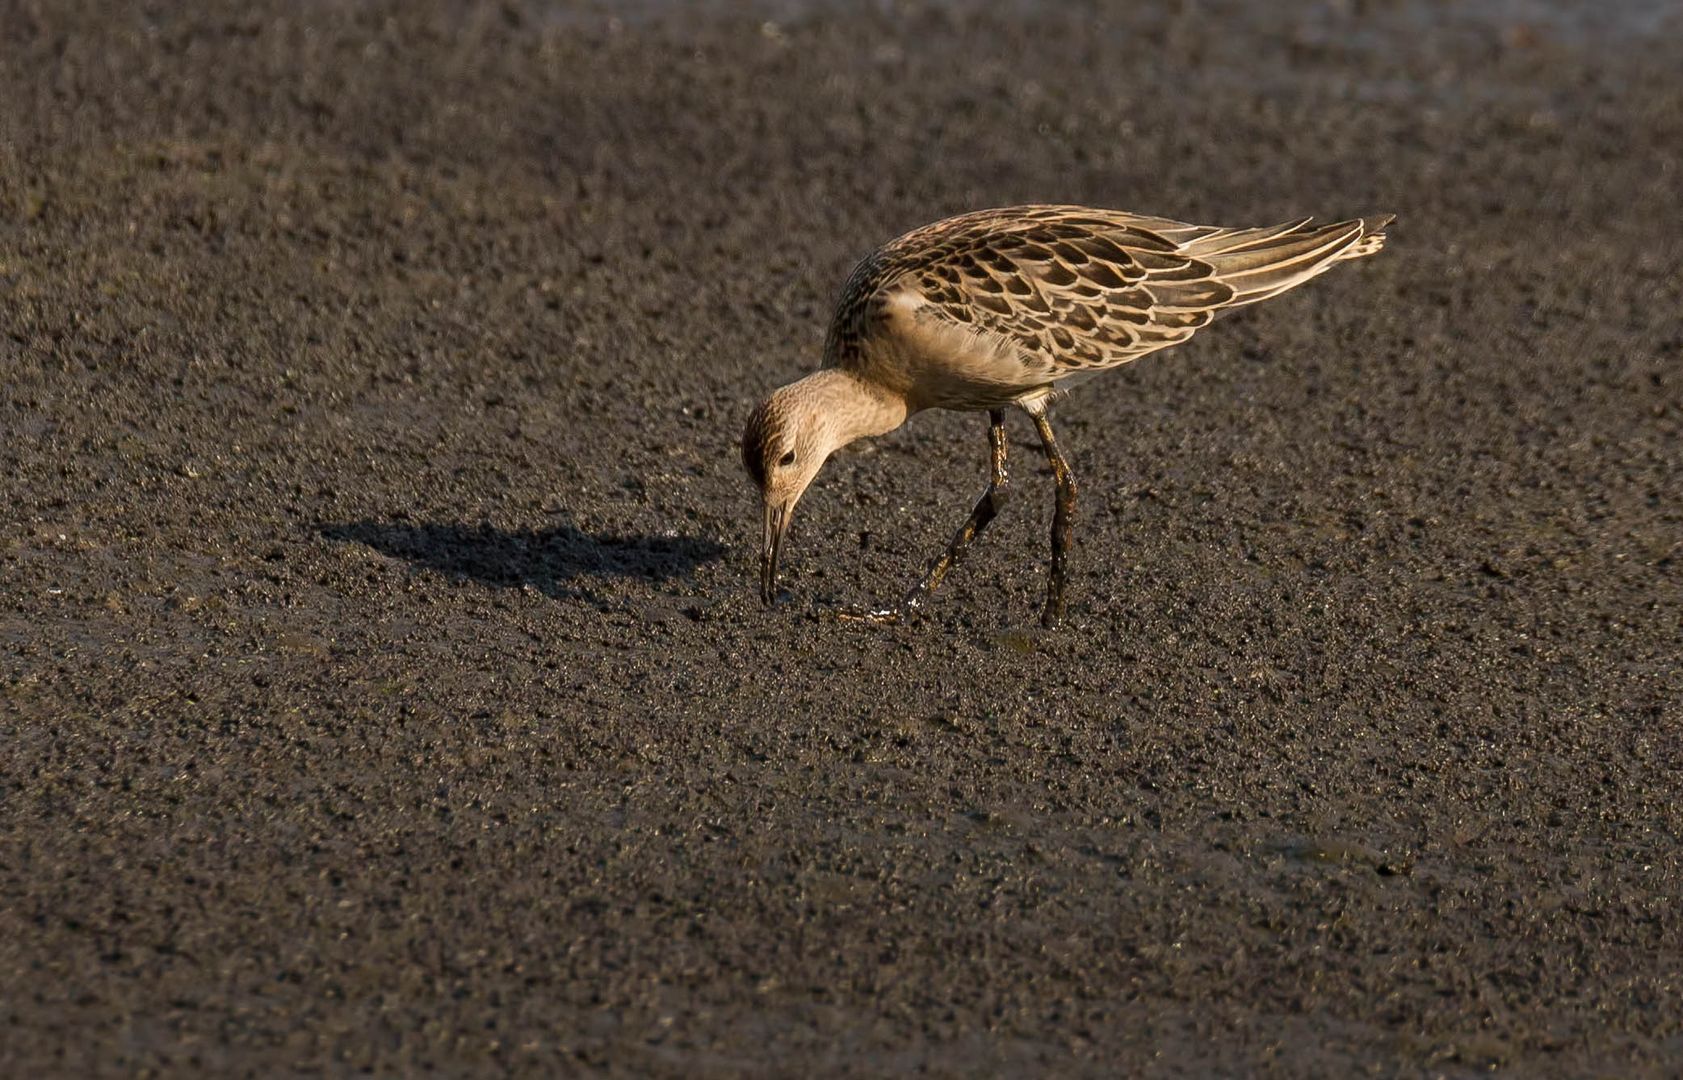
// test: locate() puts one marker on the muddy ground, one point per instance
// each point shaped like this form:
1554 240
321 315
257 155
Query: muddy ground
382 679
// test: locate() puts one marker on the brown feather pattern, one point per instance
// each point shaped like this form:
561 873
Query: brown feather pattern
1072 288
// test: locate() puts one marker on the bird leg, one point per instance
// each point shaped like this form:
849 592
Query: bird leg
1063 524
983 512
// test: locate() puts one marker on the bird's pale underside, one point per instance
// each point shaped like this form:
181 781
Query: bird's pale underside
1003 307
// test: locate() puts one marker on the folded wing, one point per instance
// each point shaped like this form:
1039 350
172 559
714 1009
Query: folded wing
1074 288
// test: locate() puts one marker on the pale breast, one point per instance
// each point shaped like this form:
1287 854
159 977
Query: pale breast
938 363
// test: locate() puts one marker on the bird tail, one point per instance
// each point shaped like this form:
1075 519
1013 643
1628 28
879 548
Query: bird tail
1372 239
1259 263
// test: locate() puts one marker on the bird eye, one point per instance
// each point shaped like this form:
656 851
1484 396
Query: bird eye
787 459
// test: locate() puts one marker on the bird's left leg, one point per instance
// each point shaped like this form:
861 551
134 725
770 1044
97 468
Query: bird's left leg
1063 522
986 508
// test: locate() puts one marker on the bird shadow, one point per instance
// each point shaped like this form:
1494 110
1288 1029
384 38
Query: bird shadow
549 560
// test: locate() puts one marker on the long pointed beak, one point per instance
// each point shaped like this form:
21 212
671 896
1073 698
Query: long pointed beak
776 525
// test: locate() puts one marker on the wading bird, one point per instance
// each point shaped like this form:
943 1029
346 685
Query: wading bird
1006 307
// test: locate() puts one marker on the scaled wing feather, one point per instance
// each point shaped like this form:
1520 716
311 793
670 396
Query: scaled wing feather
1073 288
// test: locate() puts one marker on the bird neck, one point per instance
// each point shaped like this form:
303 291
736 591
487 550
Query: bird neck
852 407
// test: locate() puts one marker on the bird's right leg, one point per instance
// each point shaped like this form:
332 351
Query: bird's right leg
1063 522
986 508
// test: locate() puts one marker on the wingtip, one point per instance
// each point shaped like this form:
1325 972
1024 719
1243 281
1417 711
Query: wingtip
1372 238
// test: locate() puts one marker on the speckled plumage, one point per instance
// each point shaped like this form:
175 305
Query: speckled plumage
1019 299
1001 308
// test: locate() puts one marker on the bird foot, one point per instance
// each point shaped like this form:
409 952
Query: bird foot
891 617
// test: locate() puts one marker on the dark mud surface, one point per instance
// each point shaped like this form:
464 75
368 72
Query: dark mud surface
382 679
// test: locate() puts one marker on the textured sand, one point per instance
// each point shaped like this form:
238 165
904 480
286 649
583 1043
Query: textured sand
382 680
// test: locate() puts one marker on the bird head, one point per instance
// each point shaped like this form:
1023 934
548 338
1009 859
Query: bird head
785 443
794 431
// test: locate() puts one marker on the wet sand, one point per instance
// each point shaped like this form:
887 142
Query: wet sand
382 680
